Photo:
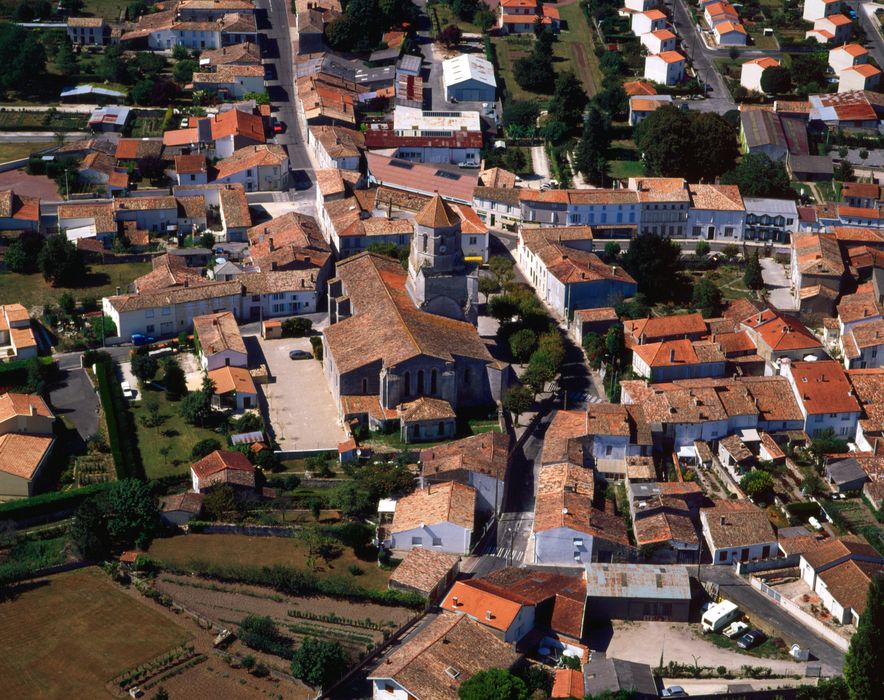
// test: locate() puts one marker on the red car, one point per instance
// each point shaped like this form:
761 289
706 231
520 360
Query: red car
278 127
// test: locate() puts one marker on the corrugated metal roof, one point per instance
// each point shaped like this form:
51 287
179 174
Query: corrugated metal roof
637 581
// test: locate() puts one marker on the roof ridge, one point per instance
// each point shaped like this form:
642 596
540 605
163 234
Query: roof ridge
396 308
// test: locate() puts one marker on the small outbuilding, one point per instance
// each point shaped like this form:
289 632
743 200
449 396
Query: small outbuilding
637 592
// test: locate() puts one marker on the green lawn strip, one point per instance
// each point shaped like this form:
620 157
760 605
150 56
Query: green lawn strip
174 433
109 9
33 290
446 16
579 47
766 650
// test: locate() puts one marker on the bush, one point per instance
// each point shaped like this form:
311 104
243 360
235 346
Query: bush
316 343
57 502
296 327
204 447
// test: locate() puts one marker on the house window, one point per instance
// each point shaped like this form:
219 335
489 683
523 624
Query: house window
420 381
473 240
433 388
167 311
407 383
441 428
466 376
608 450
148 313
150 328
722 556
417 541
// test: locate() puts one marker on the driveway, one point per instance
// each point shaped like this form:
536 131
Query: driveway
779 292
296 405
645 642
73 398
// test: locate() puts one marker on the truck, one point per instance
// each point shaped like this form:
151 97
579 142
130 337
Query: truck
719 616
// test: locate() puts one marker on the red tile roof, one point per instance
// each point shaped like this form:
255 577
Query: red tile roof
823 387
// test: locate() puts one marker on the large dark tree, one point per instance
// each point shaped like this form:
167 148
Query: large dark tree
22 58
864 665
493 684
319 662
569 99
60 263
706 298
759 176
752 276
590 158
21 255
776 80
654 263
692 145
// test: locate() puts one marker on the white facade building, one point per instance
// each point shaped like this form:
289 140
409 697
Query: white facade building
665 68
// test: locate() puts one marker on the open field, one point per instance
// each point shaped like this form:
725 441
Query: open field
10 150
67 635
729 279
174 433
102 280
109 9
357 626
264 551
572 52
624 161
54 121
446 16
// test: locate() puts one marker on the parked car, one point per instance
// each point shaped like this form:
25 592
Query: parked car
735 629
139 339
673 691
299 355
468 164
278 127
750 639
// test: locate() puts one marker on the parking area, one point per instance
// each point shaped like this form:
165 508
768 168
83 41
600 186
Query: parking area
74 398
296 405
643 642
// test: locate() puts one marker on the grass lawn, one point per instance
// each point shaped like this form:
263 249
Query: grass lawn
766 650
761 41
830 191
729 279
465 428
102 280
572 52
58 121
174 433
144 127
67 635
446 16
109 9
624 161
264 551
14 151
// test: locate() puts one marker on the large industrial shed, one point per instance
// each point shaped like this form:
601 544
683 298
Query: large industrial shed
469 78
637 592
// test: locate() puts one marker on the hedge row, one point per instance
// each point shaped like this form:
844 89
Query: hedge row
295 582
55 502
803 509
120 430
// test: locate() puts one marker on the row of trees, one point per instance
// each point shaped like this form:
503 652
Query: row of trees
363 23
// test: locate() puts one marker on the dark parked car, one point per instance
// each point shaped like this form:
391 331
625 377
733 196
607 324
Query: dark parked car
750 639
299 355
673 691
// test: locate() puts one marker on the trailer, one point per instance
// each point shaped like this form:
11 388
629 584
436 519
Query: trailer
719 616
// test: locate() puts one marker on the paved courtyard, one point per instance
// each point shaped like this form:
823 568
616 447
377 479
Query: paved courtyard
643 642
779 291
296 404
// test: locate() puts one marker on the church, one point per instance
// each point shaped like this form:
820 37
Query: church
396 337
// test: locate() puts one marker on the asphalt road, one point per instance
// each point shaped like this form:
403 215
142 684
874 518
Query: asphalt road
875 43
276 47
737 589
718 96
74 398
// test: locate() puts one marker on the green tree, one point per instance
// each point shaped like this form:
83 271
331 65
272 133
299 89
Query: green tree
757 484
67 303
702 249
864 665
517 400
488 286
183 71
142 92
715 147
352 500
612 250
113 65
88 530
826 442
174 380
730 251
65 60
502 269
503 307
752 277
706 298
196 407
522 344
319 662
522 113
179 53
60 263
144 367
220 503
590 157
844 172
776 80
569 99
664 139
614 343
493 684
450 36
654 262
203 448
758 176
131 511
594 347
152 417
22 57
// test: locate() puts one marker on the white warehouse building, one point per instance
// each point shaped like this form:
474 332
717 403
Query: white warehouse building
469 78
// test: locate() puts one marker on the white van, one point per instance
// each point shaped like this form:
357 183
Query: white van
719 616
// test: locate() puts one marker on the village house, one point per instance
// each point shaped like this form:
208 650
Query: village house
26 441
498 206
567 527
19 212
658 329
426 572
663 527
469 78
834 29
825 397
839 571
778 337
222 468
678 359
717 212
847 56
441 517
522 16
219 341
17 339
751 72
666 68
737 531
88 31
439 658
230 81
233 388
336 146
181 508
863 76
260 168
479 461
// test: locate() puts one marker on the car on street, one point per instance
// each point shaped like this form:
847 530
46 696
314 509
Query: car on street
299 355
673 691
278 126
750 639
139 339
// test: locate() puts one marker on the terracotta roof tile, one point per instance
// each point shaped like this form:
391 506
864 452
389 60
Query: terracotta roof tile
21 454
12 405
439 503
423 569
485 453
744 524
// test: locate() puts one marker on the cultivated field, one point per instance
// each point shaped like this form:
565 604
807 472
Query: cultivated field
357 626
66 636
264 551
